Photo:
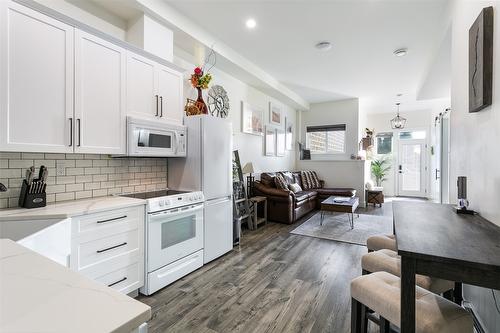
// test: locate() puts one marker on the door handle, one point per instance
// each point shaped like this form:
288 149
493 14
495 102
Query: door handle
71 131
400 169
156 105
79 132
112 247
116 282
161 106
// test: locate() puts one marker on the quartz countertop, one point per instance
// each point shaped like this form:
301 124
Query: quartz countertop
39 295
67 209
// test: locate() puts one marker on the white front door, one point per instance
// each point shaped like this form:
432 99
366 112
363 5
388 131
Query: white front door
411 168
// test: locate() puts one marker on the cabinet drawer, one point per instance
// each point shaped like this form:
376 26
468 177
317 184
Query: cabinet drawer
108 223
125 279
99 250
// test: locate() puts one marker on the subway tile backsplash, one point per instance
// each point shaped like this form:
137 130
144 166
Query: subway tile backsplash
81 175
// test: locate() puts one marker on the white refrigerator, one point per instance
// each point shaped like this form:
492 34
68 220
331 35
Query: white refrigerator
208 168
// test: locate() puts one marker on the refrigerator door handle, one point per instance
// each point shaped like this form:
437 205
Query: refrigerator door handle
218 200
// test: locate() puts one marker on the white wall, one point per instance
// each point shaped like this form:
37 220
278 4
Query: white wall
333 113
337 170
474 140
250 147
90 14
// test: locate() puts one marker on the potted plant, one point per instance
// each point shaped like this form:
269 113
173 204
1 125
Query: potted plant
380 167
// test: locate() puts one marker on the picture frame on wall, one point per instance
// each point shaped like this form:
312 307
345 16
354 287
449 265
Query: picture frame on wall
481 61
270 141
280 142
288 134
252 119
275 114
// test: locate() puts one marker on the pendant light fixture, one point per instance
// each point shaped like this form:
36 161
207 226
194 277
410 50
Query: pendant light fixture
398 122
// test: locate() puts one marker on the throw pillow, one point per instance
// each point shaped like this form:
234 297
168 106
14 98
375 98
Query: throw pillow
295 188
309 180
280 182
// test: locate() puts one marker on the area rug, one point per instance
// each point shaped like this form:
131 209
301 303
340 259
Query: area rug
336 227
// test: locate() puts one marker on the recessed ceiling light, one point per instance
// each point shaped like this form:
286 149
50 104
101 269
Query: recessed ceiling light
401 52
324 46
251 23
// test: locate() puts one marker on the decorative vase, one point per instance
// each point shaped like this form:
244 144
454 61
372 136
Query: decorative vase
201 103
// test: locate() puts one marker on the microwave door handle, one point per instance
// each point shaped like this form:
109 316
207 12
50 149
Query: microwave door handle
176 139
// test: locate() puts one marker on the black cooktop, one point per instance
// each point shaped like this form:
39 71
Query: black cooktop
153 194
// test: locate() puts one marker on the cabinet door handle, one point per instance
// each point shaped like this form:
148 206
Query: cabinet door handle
79 122
113 219
156 105
70 131
121 280
112 247
161 106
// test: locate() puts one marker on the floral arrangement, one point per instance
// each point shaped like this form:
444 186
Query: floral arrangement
200 80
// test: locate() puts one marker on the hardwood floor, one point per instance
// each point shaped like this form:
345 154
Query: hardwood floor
273 282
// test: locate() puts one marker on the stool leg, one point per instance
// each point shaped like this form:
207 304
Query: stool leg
448 295
384 325
457 293
356 316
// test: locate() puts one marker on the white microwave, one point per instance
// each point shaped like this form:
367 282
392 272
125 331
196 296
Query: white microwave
147 138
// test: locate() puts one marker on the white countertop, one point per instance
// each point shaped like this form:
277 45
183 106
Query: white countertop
67 209
39 295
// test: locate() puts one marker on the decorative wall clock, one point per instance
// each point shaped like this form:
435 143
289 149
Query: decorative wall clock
218 102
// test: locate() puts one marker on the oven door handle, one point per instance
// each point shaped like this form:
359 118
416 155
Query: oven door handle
178 211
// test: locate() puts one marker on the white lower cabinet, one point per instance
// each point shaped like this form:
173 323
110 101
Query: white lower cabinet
109 247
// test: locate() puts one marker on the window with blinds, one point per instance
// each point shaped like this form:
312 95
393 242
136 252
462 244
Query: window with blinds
328 139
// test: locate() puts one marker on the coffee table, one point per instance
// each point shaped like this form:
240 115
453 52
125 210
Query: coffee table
348 206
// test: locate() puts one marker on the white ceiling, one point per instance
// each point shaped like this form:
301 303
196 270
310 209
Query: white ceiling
364 34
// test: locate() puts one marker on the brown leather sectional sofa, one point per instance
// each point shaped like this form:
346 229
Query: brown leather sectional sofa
286 206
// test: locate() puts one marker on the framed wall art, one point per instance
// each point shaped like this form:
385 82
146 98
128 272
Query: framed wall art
481 61
275 114
288 134
270 141
252 119
280 142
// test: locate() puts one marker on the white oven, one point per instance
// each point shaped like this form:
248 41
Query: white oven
155 138
174 245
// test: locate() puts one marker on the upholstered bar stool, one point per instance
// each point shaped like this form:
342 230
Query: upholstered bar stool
380 292
389 261
379 242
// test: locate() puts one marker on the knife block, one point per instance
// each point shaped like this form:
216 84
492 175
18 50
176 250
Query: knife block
31 200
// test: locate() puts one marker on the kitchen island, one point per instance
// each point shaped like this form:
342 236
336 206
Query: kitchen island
43 296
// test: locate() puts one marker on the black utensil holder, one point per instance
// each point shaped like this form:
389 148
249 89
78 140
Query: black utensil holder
31 200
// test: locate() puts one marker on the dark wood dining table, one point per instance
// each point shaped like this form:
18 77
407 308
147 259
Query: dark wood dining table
432 239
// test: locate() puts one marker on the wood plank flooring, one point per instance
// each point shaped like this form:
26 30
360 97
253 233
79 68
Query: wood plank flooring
273 282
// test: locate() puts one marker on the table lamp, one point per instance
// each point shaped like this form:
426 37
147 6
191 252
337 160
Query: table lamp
249 169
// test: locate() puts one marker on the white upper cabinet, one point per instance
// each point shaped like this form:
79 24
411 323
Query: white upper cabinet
65 90
36 81
141 86
154 91
100 84
170 93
